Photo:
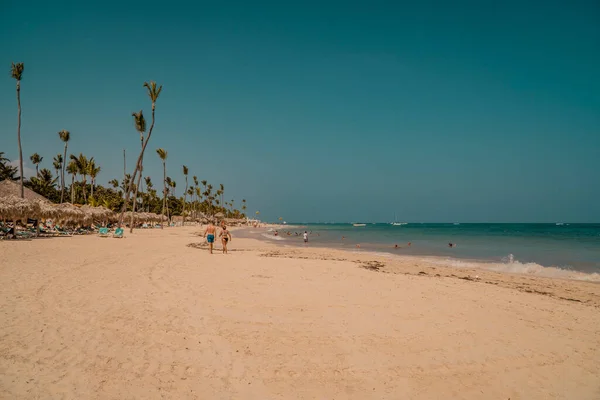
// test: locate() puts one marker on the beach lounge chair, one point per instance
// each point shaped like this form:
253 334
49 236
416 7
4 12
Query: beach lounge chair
103 232
118 233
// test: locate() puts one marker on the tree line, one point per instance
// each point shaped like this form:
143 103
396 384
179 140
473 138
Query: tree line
75 177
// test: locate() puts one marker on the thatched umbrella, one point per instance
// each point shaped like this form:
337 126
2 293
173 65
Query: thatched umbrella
68 213
10 188
13 207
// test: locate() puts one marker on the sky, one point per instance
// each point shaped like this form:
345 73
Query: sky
437 111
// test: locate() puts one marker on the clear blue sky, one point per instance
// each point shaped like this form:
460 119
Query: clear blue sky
326 111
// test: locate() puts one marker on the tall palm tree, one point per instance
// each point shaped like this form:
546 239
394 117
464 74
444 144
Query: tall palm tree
162 154
222 189
73 170
198 195
36 160
148 181
57 163
244 206
185 173
93 171
153 93
65 136
140 126
82 164
16 71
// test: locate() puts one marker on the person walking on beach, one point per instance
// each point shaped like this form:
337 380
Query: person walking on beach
209 234
225 237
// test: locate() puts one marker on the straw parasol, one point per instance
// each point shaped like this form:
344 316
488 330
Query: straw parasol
14 207
10 188
67 212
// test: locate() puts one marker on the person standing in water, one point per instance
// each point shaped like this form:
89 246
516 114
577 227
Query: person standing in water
225 237
209 234
305 237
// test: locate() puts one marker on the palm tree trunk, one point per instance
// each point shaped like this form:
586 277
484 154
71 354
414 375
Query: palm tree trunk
135 198
72 189
84 181
184 199
133 176
19 137
92 189
164 190
62 175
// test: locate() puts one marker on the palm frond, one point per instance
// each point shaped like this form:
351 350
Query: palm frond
139 121
64 135
16 70
162 153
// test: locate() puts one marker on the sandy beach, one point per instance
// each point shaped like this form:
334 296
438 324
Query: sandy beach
154 316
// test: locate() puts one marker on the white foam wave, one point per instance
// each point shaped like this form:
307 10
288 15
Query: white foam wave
272 237
513 266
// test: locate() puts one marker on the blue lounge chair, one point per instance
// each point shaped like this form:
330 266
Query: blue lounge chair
118 233
103 232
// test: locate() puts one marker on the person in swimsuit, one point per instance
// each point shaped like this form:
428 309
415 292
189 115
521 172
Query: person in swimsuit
225 237
209 234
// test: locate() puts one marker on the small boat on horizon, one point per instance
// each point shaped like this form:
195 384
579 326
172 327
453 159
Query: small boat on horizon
396 223
359 224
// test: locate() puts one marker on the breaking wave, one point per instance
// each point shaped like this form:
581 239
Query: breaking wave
510 265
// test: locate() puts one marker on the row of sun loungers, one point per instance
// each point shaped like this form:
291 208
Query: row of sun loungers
10 232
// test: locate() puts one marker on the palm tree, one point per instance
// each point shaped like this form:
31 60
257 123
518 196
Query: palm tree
93 171
140 126
185 173
222 190
243 205
162 154
7 171
114 183
16 71
72 169
65 136
82 164
57 163
153 93
198 195
36 160
148 181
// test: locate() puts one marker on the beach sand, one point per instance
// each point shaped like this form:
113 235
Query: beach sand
154 316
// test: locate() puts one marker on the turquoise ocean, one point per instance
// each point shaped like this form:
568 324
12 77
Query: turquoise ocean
560 250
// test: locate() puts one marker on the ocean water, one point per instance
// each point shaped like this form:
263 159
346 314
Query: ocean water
547 249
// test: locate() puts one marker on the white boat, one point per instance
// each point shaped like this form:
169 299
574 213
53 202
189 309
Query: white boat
359 224
396 223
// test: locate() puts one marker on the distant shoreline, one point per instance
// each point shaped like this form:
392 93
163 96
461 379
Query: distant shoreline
265 234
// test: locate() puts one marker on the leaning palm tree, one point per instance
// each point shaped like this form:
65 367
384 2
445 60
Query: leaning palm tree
153 93
140 126
65 136
185 173
57 163
36 160
16 71
162 154
72 169
93 171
